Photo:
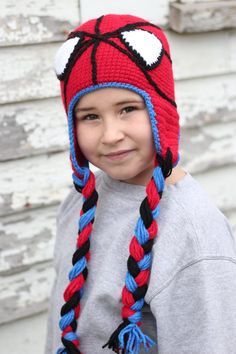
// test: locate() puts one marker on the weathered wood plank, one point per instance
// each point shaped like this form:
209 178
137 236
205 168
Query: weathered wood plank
26 239
200 55
31 128
208 147
27 71
206 100
29 335
192 1
154 11
202 16
34 182
25 293
219 183
30 21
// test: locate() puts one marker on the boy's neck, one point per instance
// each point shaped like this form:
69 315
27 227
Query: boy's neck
177 174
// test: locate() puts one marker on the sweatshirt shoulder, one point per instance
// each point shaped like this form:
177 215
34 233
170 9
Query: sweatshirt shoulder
211 228
190 228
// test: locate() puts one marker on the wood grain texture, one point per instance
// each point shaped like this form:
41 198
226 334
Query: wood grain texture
32 128
219 183
206 100
202 16
30 21
25 293
155 11
34 182
208 147
27 73
27 239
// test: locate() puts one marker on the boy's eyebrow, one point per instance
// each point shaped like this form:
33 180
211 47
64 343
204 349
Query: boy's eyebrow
85 109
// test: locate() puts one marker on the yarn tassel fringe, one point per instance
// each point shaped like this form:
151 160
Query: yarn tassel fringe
129 338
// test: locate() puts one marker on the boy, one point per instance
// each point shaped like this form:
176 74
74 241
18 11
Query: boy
118 92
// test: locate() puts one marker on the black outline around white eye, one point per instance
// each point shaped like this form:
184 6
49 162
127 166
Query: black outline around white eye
63 55
145 45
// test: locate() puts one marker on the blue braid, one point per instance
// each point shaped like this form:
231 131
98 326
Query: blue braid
77 269
135 334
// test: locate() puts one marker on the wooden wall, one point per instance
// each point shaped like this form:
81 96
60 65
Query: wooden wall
34 164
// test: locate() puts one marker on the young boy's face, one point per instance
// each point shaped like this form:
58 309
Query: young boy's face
114 120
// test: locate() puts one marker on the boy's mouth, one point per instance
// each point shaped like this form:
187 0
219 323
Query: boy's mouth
117 153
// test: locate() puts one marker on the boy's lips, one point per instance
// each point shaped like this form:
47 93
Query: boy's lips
116 153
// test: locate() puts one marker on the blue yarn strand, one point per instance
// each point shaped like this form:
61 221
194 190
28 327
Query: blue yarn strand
66 319
156 211
86 217
61 351
77 268
137 306
136 317
71 336
141 232
159 178
135 339
130 282
145 263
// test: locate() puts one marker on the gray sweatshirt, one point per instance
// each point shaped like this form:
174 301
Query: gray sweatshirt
190 305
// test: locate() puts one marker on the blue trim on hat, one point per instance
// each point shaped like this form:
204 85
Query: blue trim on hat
149 105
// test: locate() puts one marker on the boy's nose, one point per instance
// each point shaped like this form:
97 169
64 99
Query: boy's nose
112 133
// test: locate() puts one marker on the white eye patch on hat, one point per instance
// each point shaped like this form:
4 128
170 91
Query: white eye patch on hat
145 45
63 55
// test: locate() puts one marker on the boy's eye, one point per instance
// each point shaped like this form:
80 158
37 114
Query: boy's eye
129 109
89 117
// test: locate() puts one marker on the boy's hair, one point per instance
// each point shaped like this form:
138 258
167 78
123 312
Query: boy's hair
119 51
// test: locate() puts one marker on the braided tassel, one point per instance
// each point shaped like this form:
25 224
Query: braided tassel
128 337
78 274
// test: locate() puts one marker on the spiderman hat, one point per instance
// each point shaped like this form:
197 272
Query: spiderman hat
118 51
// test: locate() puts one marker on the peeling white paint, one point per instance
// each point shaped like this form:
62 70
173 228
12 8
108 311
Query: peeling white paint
58 9
219 183
46 126
27 73
30 239
199 100
154 11
209 146
203 53
26 292
36 181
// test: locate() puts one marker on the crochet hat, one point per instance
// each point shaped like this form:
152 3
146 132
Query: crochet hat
118 51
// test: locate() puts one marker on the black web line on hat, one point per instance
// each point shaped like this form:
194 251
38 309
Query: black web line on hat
116 33
96 38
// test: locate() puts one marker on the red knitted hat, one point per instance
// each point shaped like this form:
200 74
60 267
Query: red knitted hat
119 51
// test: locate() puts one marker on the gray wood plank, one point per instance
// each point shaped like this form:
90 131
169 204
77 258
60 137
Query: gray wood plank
34 182
25 293
30 21
27 239
208 147
191 17
32 128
